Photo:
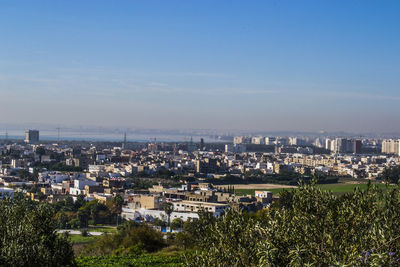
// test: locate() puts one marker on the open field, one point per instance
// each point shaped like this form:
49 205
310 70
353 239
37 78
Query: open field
261 186
103 229
339 188
79 239
156 259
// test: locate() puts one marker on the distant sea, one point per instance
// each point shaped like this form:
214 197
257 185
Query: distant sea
51 135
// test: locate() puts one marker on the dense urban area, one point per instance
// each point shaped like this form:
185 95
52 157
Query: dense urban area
129 198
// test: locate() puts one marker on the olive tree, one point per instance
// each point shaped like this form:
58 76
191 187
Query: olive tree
28 236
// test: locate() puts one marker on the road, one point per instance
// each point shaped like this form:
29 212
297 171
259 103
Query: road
77 232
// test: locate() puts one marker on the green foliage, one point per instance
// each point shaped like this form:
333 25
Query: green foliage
81 213
391 175
28 237
79 239
195 230
229 242
285 177
130 238
308 227
142 260
24 174
159 222
84 233
168 209
58 166
177 223
337 188
40 151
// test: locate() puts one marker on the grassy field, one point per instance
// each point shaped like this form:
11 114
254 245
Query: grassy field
339 188
251 191
103 229
156 259
79 239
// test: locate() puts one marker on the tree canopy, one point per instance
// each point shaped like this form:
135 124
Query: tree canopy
310 227
28 236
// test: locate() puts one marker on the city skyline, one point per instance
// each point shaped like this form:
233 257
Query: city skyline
259 66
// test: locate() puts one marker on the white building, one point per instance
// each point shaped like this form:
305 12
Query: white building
53 177
96 168
236 148
391 146
258 140
194 206
79 186
270 141
150 215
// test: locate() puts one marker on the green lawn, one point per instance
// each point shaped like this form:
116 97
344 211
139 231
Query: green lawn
102 229
339 188
141 260
78 239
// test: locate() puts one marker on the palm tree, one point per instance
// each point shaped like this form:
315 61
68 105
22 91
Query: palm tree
168 209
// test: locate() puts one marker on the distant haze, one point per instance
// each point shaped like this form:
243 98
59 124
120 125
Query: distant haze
224 65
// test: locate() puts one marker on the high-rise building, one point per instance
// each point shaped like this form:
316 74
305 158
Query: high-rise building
32 136
241 140
318 143
357 146
237 148
295 141
258 140
342 145
270 140
391 146
328 144
202 144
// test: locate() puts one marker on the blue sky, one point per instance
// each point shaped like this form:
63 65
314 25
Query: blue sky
262 65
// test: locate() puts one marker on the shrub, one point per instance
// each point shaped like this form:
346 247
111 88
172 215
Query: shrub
28 236
311 227
130 238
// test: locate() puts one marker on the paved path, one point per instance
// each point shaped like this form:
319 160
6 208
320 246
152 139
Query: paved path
77 232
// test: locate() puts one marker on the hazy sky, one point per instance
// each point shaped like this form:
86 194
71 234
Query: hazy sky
267 65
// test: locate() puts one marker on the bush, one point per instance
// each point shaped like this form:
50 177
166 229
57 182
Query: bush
84 232
311 227
28 236
177 224
142 260
130 238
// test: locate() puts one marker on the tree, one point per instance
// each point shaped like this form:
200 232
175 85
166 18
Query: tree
83 218
80 201
130 239
69 204
311 227
28 237
391 175
115 204
168 209
177 223
40 151
24 174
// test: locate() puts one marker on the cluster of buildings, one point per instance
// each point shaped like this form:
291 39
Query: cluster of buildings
188 200
391 146
102 170
344 145
271 140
